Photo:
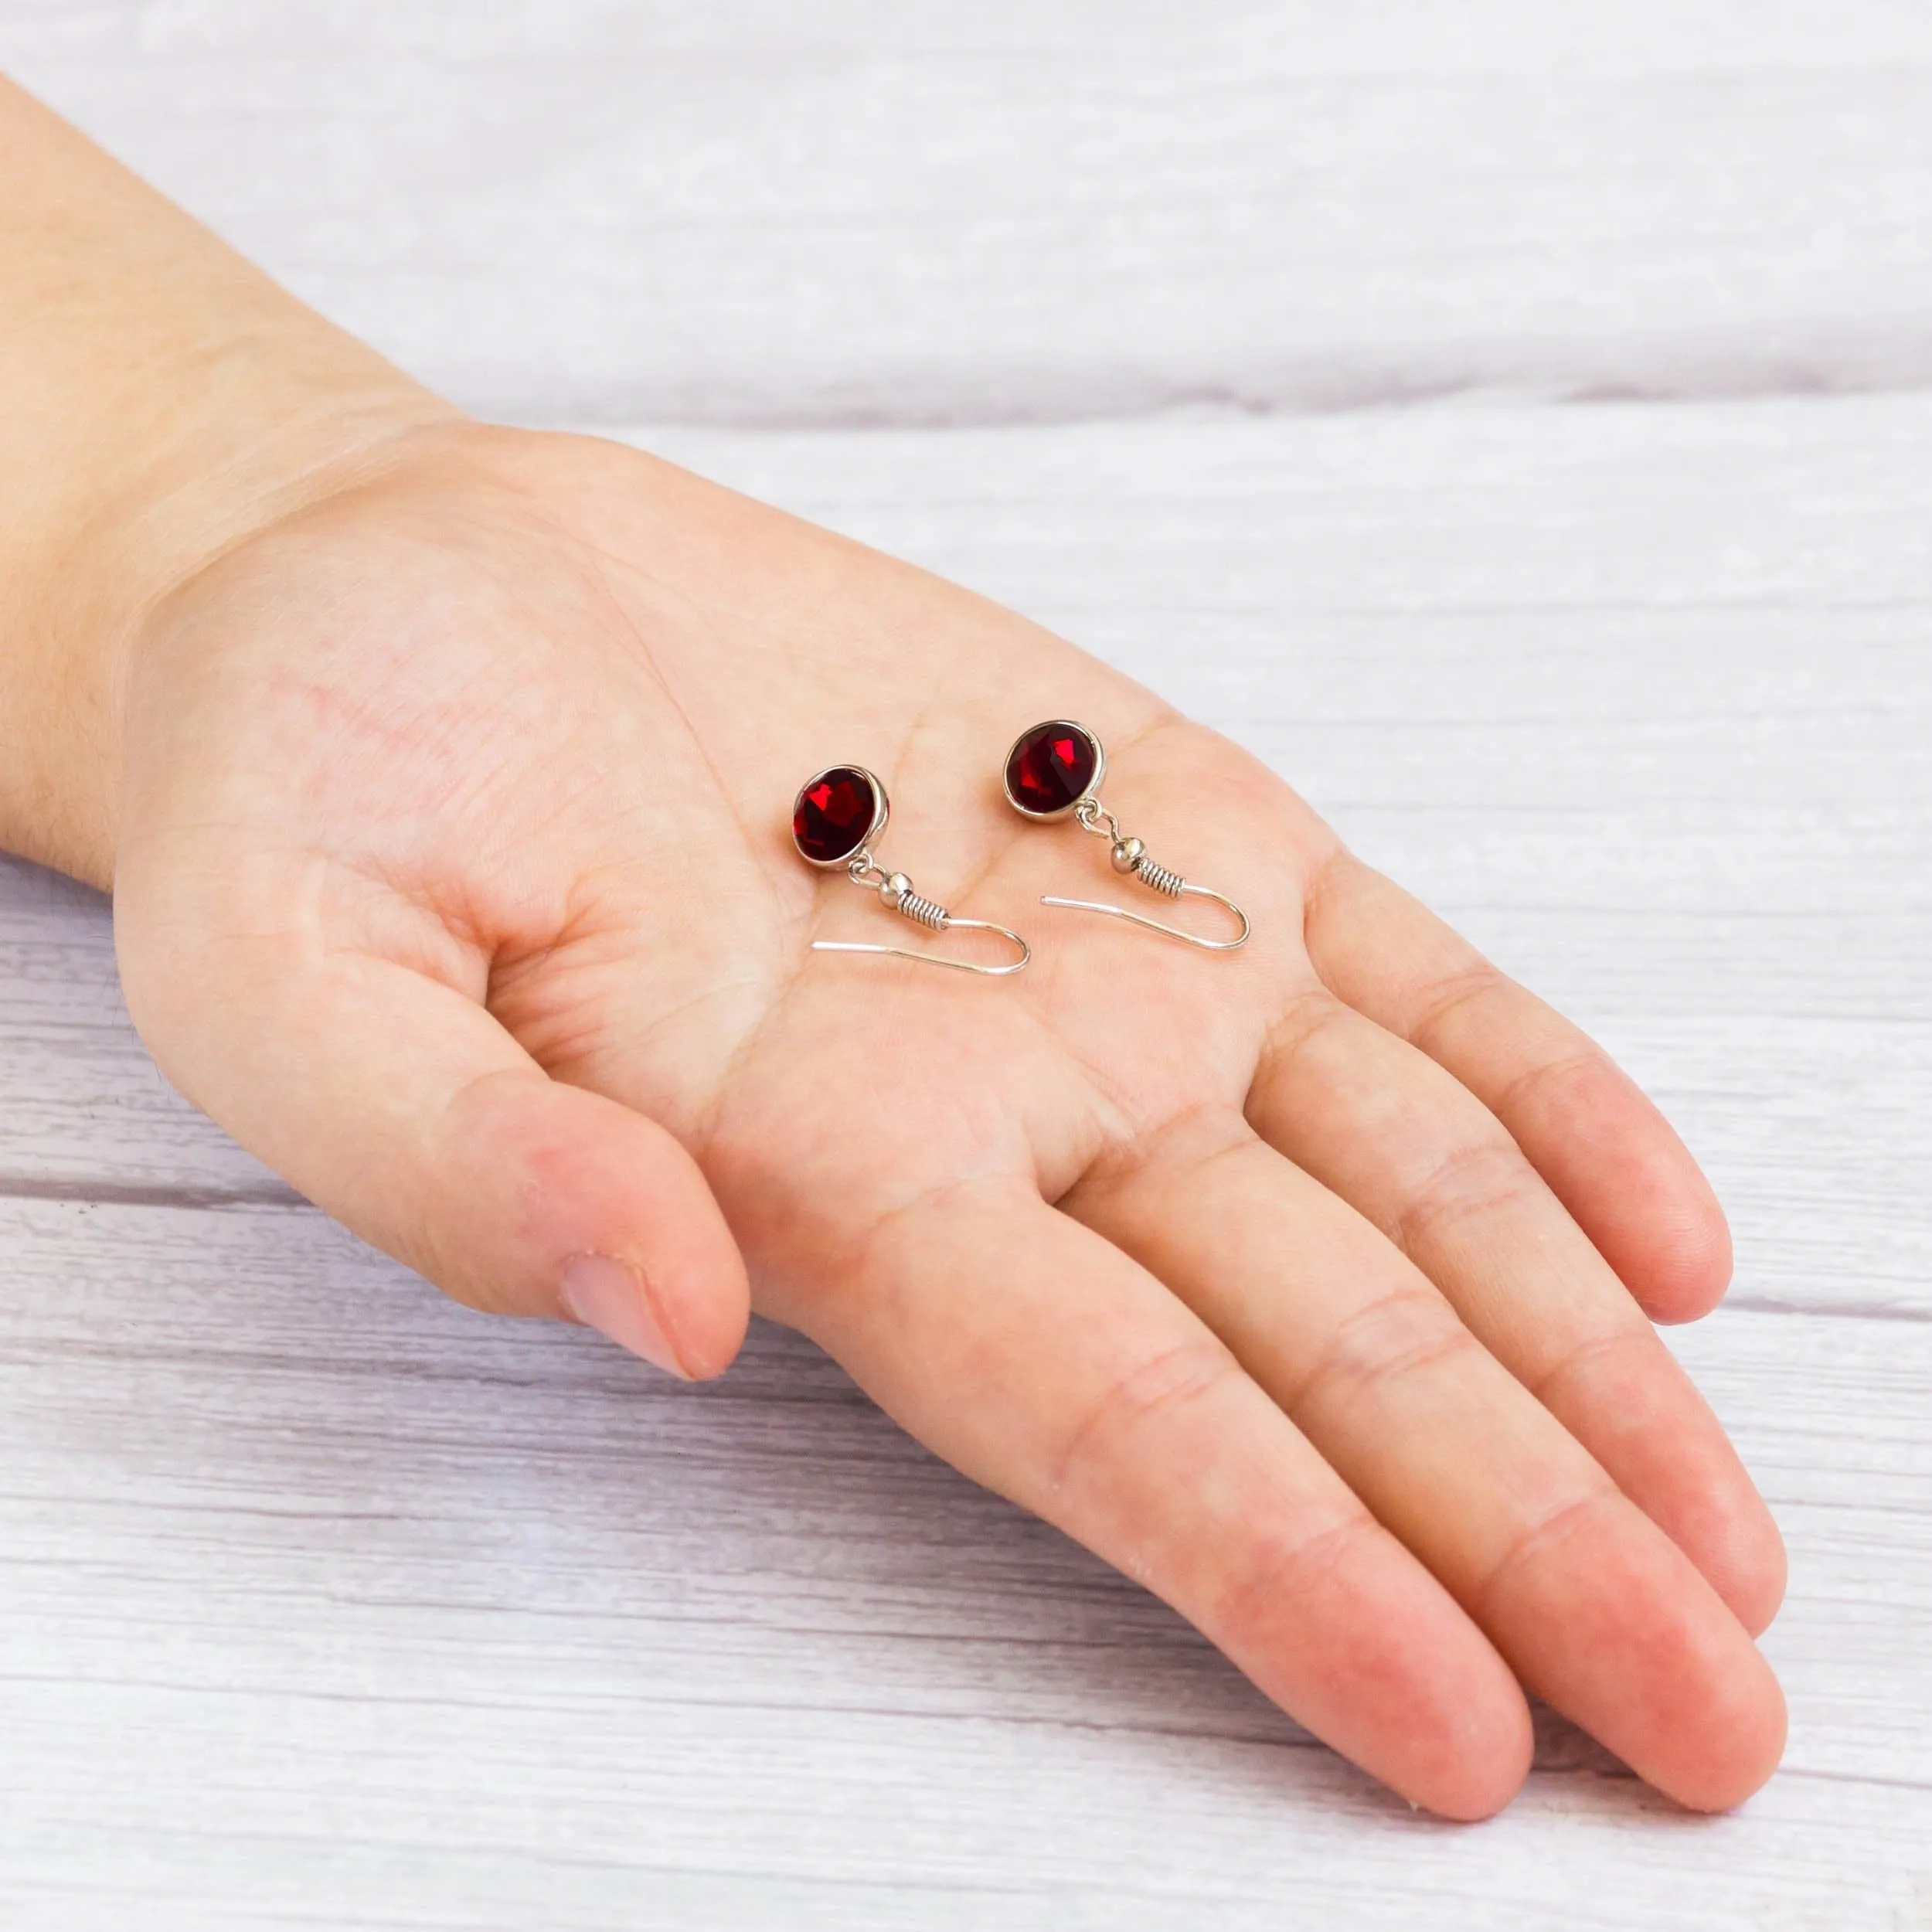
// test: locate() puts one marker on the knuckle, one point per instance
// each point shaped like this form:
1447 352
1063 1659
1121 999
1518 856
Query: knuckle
1544 1536
1152 1393
1405 1332
1450 995
1290 1567
1483 1175
1305 1017
1572 1082
1599 1353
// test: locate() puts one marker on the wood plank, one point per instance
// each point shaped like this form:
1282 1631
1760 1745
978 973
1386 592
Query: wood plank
856 212
1638 697
323 1601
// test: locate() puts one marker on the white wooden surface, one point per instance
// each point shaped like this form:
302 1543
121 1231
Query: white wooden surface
827 210
325 1602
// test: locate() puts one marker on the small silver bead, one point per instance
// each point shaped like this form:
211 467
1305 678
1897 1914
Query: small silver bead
894 888
1128 854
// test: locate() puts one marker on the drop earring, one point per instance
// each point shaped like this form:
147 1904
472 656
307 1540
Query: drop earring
1054 771
839 813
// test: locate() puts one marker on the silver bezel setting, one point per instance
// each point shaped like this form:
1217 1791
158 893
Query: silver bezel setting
882 811
1066 810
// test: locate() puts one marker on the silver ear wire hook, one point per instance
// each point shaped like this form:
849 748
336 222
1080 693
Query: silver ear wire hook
896 890
1130 857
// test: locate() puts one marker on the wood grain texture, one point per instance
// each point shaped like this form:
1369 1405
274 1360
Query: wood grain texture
857 211
325 1602
329 1603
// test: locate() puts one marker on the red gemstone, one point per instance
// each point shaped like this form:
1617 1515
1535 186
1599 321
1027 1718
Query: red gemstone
835 814
1051 767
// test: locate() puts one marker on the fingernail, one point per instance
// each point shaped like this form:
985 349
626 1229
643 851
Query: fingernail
608 1294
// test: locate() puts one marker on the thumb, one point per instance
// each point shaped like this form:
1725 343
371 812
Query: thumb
400 1106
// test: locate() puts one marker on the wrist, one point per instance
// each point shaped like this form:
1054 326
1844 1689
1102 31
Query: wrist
160 401
78 603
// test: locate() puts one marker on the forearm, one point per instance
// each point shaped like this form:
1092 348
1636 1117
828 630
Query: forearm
159 399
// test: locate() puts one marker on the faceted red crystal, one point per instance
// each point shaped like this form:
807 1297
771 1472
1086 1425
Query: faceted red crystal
834 813
1051 767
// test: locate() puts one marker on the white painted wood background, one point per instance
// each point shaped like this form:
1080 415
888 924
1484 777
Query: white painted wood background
1512 422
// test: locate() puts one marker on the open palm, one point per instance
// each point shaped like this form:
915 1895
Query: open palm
1306 1283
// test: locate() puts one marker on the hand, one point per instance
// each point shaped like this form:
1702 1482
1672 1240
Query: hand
1306 1284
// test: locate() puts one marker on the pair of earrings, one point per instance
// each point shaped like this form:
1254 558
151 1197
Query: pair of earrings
1053 771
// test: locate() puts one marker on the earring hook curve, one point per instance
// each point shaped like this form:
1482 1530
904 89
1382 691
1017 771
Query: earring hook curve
940 959
1156 926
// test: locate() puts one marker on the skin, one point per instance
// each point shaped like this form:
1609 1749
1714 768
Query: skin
442 773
